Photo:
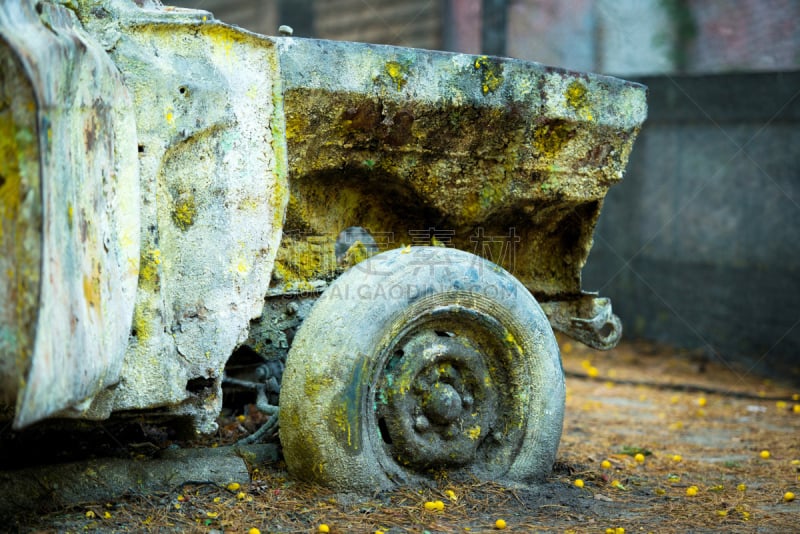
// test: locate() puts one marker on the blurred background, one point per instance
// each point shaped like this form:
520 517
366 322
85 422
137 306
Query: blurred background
699 247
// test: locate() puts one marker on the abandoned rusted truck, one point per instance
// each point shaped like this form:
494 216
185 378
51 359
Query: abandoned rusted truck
377 242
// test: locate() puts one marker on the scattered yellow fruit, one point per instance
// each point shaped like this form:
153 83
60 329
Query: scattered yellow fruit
796 408
674 399
593 372
217 500
254 530
499 524
434 506
764 454
741 487
451 495
566 348
677 458
324 528
639 458
378 532
609 530
691 491
796 397
212 515
788 496
619 530
241 418
795 462
702 401
106 515
90 515
233 486
578 483
781 405
605 464
241 495
722 513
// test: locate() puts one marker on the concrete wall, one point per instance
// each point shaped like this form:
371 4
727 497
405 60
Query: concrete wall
700 245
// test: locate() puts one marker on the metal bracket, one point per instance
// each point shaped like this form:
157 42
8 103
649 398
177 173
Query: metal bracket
587 319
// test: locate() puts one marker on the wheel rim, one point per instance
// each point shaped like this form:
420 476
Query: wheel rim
438 401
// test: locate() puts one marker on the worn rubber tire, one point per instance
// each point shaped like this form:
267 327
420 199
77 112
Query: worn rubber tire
421 360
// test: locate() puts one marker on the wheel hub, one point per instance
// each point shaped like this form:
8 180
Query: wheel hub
436 400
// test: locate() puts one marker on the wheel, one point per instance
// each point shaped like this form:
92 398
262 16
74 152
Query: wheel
418 361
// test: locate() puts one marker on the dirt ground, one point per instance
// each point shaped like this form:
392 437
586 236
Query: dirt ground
700 429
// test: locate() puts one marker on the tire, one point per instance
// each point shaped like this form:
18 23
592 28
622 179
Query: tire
418 361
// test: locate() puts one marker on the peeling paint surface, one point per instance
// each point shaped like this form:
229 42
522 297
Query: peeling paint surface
68 304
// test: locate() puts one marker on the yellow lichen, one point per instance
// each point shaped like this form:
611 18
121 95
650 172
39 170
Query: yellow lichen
149 270
491 74
398 73
577 98
549 139
184 212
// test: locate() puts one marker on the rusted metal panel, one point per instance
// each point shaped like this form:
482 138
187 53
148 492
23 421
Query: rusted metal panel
69 211
485 151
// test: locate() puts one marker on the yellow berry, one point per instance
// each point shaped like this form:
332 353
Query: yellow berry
241 418
691 491
722 513
764 454
702 401
677 458
605 464
639 458
499 524
781 405
254 530
788 496
619 530
241 495
609 530
578 483
324 528
451 495
741 487
592 372
90 515
796 408
233 486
